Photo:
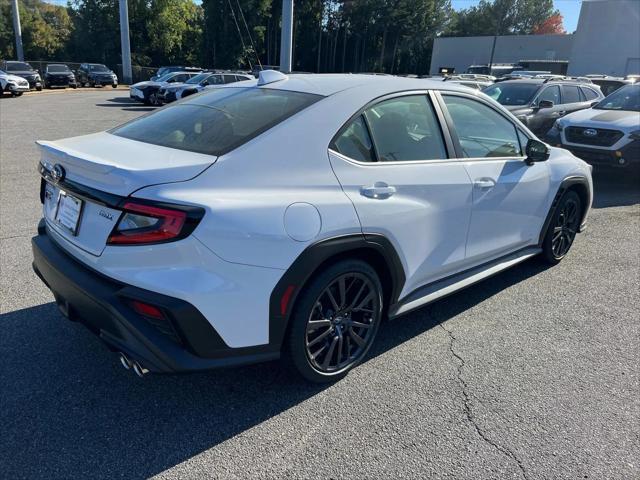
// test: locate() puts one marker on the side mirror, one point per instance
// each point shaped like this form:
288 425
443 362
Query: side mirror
545 104
536 151
593 104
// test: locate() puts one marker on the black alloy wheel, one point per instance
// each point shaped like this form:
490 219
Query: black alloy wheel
336 320
563 228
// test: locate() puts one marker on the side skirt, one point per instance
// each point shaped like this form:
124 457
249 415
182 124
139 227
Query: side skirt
446 286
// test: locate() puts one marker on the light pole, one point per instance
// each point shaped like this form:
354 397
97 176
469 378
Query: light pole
286 40
127 75
17 30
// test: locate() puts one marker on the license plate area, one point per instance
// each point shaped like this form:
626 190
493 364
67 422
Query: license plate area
68 212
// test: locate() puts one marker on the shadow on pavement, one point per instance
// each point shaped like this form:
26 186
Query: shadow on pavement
69 409
127 104
616 188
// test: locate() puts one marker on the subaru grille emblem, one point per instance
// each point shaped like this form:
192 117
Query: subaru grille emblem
57 173
590 132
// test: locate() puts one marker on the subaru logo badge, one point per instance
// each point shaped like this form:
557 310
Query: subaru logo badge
590 132
57 173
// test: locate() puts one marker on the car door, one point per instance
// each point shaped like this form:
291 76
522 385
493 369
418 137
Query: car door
509 196
544 118
393 163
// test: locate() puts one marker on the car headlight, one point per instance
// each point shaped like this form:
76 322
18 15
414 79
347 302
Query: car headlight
558 125
635 135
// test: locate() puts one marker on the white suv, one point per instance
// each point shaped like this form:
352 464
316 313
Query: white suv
288 217
12 84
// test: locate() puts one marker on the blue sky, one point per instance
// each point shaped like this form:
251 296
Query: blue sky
570 10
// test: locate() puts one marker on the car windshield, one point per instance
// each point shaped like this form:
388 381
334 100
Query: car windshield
217 122
625 98
165 77
512 93
18 67
198 78
98 68
58 68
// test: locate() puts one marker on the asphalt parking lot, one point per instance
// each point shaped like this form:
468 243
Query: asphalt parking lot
533 374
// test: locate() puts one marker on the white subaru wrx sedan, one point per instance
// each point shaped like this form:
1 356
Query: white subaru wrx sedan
287 217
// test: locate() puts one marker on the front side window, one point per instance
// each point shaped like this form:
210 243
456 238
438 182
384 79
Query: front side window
482 131
550 94
217 121
405 128
570 94
355 142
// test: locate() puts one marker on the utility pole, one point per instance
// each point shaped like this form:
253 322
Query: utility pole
286 40
17 30
127 75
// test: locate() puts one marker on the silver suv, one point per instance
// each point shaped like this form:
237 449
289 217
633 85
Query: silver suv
607 134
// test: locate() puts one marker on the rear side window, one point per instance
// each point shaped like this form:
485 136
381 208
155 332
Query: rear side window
355 142
405 128
482 131
551 93
218 121
570 94
588 93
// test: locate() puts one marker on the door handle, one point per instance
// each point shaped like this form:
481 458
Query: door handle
379 190
485 183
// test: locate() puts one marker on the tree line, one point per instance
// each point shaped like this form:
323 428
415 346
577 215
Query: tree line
392 36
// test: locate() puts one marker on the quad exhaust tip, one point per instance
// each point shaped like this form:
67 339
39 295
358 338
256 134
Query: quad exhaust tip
129 364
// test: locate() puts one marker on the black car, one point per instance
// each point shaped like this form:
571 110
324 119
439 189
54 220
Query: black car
608 85
24 70
538 103
58 75
96 74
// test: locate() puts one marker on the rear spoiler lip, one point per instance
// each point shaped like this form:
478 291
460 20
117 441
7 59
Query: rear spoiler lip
71 157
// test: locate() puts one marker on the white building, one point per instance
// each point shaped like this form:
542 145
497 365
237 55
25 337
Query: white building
607 41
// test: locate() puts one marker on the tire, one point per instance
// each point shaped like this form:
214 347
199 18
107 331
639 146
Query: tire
17 94
114 86
39 89
340 337
563 228
74 86
154 100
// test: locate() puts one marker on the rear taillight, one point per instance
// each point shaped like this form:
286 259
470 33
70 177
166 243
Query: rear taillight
141 223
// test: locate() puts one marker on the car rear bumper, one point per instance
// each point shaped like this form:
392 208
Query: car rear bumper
182 341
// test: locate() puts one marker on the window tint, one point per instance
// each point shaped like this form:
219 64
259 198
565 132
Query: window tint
405 128
570 94
229 78
482 131
588 93
215 80
551 93
512 93
217 121
355 142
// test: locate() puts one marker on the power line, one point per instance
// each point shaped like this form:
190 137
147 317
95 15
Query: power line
249 33
244 48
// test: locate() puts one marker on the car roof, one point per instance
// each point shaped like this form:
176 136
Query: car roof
326 84
541 81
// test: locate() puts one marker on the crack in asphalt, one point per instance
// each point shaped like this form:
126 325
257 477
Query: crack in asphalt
468 411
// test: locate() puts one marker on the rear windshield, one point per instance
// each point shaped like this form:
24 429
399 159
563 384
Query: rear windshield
625 98
216 122
512 93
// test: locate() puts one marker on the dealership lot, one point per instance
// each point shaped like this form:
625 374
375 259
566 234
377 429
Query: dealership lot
532 374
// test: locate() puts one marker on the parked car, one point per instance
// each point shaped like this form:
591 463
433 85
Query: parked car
607 134
472 81
12 84
196 84
608 84
24 70
59 75
496 70
284 218
96 75
147 92
539 103
162 71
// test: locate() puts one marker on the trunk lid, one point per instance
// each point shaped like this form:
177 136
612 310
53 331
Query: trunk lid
110 164
118 165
